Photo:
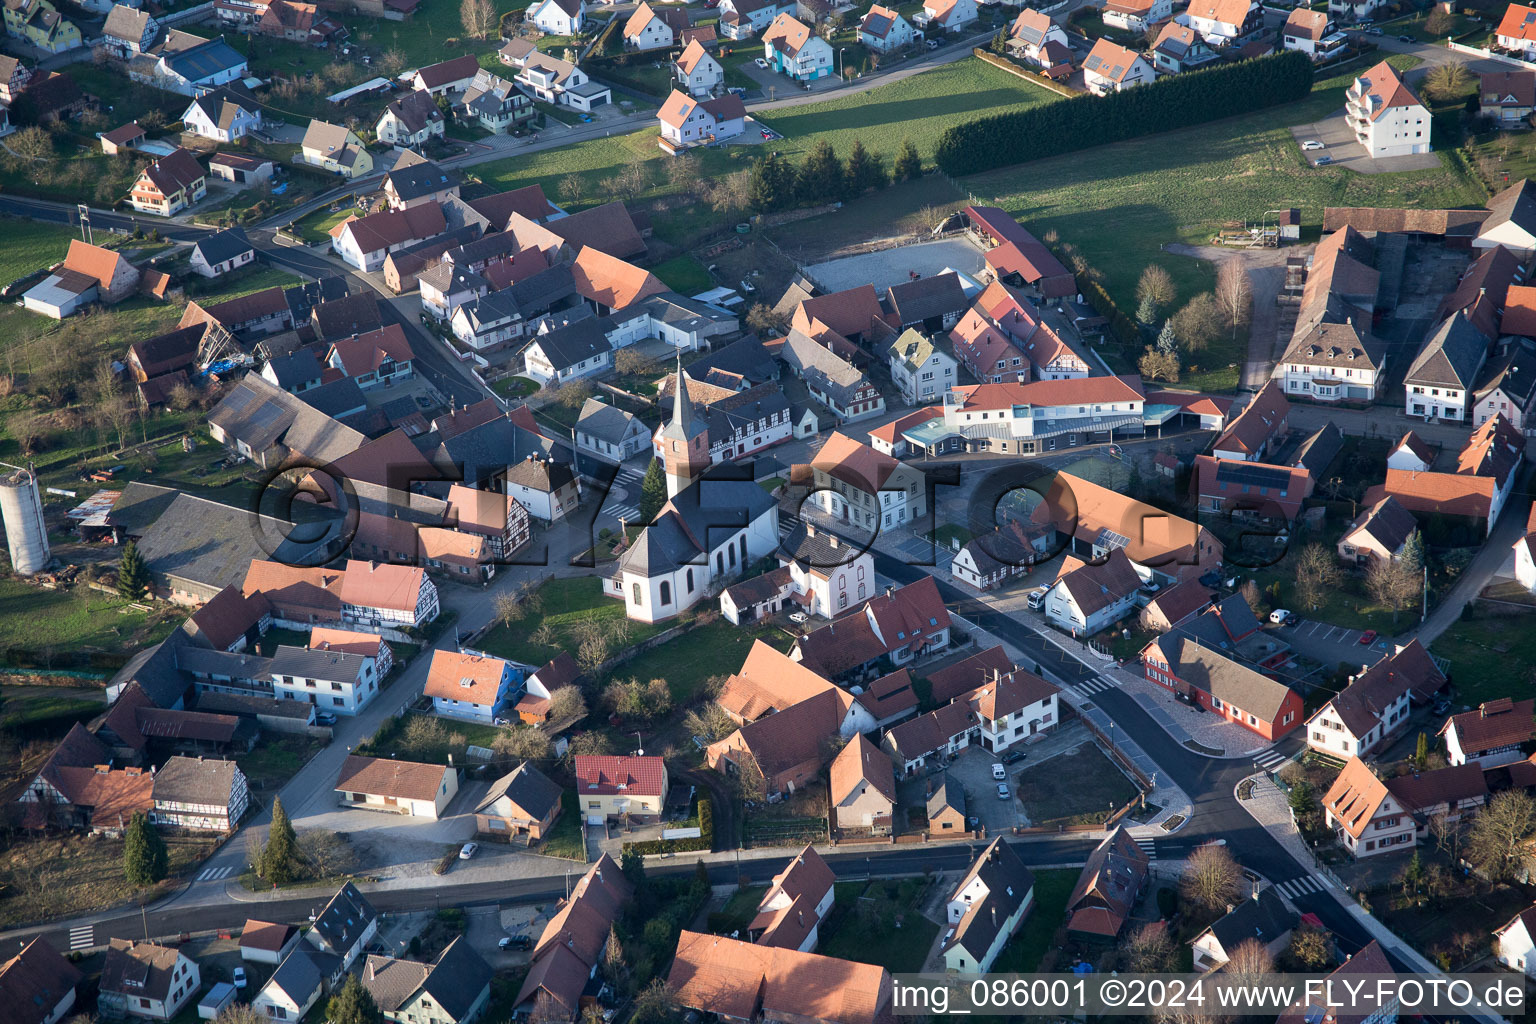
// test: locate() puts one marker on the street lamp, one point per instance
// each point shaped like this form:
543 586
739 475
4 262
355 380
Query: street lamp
841 68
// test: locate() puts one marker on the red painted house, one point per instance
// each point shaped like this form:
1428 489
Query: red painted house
1177 662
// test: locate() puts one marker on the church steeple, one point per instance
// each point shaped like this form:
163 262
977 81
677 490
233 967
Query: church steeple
685 438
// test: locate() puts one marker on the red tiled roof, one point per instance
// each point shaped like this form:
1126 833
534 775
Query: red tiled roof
607 774
1494 724
386 776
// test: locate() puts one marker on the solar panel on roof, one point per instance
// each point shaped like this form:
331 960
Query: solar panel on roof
1253 475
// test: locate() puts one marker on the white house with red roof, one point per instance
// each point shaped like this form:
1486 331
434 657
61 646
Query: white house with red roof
379 595
378 357
1110 67
884 30
858 485
1224 22
687 121
1040 416
610 786
1386 116
1137 15
792 909
945 15
1517 30
696 70
791 48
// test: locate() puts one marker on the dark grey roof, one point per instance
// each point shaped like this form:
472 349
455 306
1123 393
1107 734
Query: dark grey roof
420 179
1515 204
342 318
1388 522
1228 680
527 787
1452 355
196 780
337 398
1318 451
344 919
244 706
261 414
544 290
224 245
683 313
139 505
154 670
1009 883
916 301
458 978
495 308
298 975
603 421
540 474
204 60
822 368
1264 918
207 662
211 544
817 549
746 358
297 367
302 298
318 664
662 547
743 409
564 347
946 793
1514 374
488 449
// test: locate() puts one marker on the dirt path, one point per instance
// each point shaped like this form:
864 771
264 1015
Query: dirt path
1266 275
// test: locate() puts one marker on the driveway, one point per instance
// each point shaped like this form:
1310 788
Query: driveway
972 768
1329 645
1339 143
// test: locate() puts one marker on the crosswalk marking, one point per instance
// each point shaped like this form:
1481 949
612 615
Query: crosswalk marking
82 936
1089 687
1147 848
629 513
1270 760
214 874
1299 887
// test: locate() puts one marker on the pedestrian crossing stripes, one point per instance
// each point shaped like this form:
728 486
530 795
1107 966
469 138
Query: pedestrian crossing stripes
214 874
82 936
1097 684
1299 887
1270 760
628 513
1147 848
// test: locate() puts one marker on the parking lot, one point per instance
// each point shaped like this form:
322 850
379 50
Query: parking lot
972 768
1328 644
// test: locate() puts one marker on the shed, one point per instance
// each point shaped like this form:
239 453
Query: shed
218 997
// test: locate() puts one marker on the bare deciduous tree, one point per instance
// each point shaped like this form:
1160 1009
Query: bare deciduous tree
709 721
1211 878
1501 835
1199 323
1156 287
527 743
1317 571
1234 294
567 703
1250 960
1391 583
1149 949
478 17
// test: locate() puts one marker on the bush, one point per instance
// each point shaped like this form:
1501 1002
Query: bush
1000 140
704 843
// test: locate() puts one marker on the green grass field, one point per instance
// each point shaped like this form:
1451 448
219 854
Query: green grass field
48 713
1483 656
687 661
75 619
1073 789
1119 204
1053 887
30 246
564 605
684 274
877 940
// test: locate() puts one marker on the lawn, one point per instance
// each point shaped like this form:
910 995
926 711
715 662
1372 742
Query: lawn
919 108
566 606
684 274
50 712
429 738
276 759
878 923
565 838
1053 887
1076 788
738 910
688 661
905 206
316 227
48 877
1488 657
73 619
31 246
1119 204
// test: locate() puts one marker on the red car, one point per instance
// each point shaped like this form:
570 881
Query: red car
1367 638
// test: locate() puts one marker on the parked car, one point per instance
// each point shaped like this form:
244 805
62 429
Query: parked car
1322 161
973 823
239 977
1036 599
798 617
1002 791
1406 39
1014 757
1312 144
468 850
933 44
1367 638
1278 616
766 133
324 718
999 772
761 62
515 942
1211 579
1441 706
1373 31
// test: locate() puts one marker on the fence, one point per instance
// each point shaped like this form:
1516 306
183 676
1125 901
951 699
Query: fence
1115 755
1013 69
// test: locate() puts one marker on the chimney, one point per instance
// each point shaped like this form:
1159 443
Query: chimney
810 530
889 590
370 968
832 540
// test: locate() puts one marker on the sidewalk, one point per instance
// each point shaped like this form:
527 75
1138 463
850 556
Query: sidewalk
1269 808
1173 800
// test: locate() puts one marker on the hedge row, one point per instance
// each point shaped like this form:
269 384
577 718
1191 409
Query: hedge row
704 843
1175 101
1121 327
